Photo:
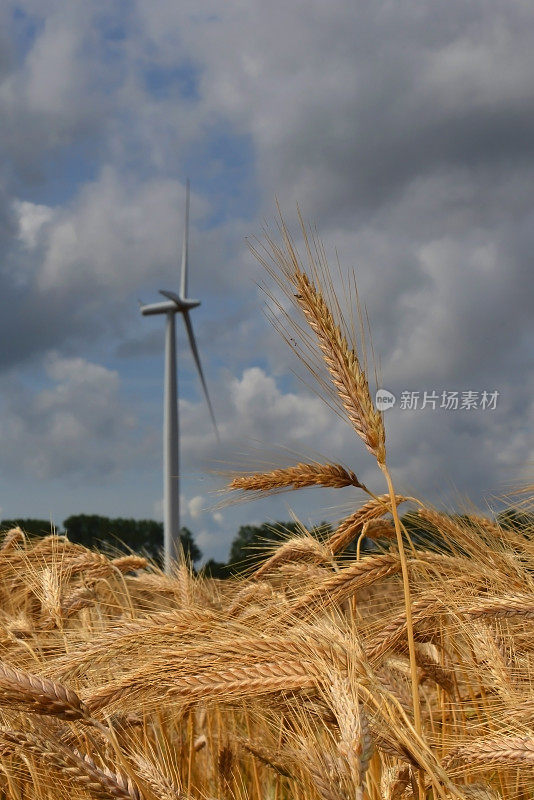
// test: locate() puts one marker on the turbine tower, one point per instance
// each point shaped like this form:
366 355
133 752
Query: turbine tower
175 304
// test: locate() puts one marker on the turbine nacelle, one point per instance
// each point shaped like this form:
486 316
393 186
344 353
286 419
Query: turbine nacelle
182 303
174 303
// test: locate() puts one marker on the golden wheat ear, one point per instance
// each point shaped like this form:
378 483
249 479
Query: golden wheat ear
71 767
342 361
488 752
302 548
27 692
349 528
12 539
299 476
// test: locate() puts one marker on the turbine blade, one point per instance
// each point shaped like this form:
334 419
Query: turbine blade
185 245
194 350
170 295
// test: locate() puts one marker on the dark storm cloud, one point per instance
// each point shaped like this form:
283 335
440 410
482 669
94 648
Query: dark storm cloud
372 96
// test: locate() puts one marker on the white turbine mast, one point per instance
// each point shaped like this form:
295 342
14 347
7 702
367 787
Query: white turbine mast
175 304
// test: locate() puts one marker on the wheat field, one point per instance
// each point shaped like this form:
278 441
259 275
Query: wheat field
321 675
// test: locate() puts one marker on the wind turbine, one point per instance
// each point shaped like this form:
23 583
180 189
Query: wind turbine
175 304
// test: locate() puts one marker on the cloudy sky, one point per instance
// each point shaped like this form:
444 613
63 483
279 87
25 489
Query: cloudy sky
405 131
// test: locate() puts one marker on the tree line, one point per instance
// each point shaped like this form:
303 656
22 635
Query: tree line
120 534
251 545
145 536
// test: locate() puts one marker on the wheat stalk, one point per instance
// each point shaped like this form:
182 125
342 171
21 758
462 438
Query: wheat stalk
394 781
250 593
72 767
479 791
267 756
299 476
117 776
129 563
341 360
12 538
352 525
512 605
20 689
79 598
434 670
355 744
424 608
298 548
236 682
346 582
378 529
347 377
162 786
509 751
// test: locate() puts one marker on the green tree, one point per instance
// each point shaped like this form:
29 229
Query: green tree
91 530
254 543
191 550
35 527
423 533
140 535
215 569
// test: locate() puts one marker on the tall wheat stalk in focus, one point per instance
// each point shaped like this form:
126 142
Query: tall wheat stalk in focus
311 290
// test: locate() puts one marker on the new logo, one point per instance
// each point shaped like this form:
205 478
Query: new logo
384 400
